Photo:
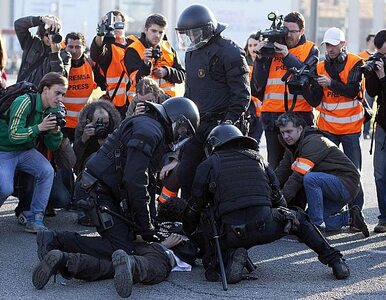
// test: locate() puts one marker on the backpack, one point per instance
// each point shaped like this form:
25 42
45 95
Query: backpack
8 95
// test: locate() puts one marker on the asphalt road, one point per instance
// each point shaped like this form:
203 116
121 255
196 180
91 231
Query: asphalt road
286 269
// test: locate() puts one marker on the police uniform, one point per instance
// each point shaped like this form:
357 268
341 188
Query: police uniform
217 81
244 209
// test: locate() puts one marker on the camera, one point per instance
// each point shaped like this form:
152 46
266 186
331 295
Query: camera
370 65
276 33
156 52
101 130
60 115
298 79
56 37
106 29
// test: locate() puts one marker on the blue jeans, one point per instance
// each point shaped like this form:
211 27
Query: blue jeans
380 171
32 162
326 196
352 149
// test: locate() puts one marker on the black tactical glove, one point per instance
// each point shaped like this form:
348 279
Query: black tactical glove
150 236
101 29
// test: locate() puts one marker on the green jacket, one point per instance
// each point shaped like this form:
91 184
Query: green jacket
314 153
19 136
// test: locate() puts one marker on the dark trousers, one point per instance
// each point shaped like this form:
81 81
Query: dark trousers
89 258
275 150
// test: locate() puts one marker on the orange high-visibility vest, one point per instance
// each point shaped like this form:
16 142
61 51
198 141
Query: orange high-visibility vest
365 55
340 114
166 59
274 89
113 74
80 86
258 104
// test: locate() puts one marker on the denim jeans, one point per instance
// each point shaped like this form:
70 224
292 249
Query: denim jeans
326 196
352 148
32 162
380 171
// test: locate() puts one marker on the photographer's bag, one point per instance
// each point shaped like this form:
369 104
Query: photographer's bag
8 95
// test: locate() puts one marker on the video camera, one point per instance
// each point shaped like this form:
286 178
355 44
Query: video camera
106 28
370 65
101 130
276 33
298 79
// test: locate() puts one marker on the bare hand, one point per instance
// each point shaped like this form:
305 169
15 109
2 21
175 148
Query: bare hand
51 23
48 123
140 108
147 56
160 72
89 131
323 81
173 240
380 71
167 168
54 47
281 49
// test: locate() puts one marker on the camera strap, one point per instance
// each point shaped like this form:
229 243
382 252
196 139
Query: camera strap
286 99
117 86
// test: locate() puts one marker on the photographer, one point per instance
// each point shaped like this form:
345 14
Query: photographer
341 110
376 86
17 144
96 120
293 52
42 53
107 50
151 54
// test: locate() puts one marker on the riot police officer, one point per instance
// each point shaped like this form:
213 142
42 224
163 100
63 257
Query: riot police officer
248 208
115 180
216 80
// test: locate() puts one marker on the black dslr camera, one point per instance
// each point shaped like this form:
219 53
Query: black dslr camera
60 115
56 37
156 52
101 130
106 29
298 79
276 33
370 65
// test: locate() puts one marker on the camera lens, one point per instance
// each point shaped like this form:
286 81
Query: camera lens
56 37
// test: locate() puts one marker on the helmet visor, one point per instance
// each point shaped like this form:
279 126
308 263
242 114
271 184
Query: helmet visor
182 131
192 39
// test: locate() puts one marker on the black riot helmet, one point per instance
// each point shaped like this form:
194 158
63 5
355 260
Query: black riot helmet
181 117
196 25
225 133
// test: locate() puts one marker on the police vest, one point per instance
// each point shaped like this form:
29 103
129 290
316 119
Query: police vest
80 86
166 59
240 181
340 114
257 103
274 89
113 74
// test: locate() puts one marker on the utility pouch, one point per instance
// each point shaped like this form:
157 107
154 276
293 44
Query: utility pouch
106 221
87 181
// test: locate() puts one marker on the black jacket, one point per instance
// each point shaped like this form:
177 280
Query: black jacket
37 55
133 62
377 87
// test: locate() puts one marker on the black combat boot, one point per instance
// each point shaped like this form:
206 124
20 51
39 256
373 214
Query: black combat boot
358 221
50 265
45 240
124 271
235 265
340 269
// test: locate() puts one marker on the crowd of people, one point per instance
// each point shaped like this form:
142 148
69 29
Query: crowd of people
121 161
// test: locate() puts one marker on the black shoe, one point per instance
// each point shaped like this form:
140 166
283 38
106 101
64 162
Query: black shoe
236 264
358 221
44 239
340 269
50 212
52 262
124 269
